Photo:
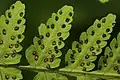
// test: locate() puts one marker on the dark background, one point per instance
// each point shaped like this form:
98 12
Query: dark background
38 11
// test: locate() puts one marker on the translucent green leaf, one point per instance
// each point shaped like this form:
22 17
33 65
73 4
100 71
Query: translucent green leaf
11 33
49 76
104 1
110 62
90 44
45 50
10 74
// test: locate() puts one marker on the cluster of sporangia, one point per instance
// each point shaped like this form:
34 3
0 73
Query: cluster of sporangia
78 49
16 28
7 77
42 47
117 68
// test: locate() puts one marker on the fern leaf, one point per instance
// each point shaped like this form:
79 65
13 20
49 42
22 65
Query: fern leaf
49 76
90 45
110 62
104 1
45 50
11 33
10 74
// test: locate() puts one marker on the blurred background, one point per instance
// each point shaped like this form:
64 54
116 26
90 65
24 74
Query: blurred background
38 11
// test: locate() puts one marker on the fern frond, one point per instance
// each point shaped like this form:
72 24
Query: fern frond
11 34
45 50
90 44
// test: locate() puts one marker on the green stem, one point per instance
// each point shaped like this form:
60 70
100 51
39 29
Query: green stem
95 73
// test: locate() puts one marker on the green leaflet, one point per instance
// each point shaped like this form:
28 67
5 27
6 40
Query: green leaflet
110 62
45 50
10 74
11 29
84 52
104 1
49 76
11 34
